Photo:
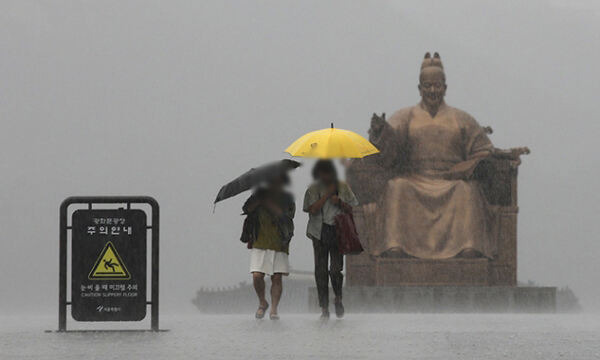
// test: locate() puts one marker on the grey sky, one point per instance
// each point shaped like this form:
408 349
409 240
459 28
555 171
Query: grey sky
174 98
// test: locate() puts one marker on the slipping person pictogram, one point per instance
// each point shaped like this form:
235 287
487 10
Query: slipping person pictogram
109 265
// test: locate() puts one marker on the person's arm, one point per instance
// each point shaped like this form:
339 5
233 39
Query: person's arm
290 210
252 204
318 205
272 208
347 208
349 197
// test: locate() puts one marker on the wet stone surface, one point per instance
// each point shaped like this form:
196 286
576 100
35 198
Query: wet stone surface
302 336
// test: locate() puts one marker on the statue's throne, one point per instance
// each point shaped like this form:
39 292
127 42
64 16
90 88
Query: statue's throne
497 176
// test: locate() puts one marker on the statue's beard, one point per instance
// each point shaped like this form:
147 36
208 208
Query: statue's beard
433 98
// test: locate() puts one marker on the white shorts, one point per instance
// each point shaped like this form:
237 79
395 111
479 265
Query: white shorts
269 262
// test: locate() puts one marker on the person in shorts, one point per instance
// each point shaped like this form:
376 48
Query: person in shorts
272 210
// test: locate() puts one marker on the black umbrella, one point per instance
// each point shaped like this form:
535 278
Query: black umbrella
254 177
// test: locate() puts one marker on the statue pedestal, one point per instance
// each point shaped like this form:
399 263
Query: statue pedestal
401 272
439 299
362 270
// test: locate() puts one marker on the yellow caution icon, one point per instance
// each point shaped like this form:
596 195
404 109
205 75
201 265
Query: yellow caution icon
109 265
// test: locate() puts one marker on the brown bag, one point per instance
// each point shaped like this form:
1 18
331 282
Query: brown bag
347 236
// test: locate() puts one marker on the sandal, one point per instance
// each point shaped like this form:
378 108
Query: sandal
260 313
274 316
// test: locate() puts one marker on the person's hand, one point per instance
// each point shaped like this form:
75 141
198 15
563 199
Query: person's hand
377 124
252 203
335 200
331 190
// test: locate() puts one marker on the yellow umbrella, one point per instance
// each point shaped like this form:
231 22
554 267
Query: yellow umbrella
331 143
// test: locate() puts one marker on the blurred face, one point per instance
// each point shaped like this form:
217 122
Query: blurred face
432 86
277 184
326 177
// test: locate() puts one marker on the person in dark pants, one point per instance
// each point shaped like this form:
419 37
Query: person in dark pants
324 199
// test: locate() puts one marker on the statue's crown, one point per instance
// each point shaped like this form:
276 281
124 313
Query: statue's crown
434 61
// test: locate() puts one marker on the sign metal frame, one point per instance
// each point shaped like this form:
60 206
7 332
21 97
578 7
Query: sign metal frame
63 246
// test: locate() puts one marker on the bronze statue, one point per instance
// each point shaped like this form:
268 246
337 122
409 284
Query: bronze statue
438 205
431 207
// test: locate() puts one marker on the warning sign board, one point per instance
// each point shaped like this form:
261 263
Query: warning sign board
109 265
108 271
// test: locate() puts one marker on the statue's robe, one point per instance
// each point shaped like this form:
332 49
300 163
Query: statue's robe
430 208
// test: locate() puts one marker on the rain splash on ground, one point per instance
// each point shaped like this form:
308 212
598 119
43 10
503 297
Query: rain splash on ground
303 336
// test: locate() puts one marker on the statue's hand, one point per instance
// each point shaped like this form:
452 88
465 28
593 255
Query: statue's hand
377 124
516 152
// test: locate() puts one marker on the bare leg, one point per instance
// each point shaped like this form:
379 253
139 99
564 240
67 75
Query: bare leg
276 290
258 279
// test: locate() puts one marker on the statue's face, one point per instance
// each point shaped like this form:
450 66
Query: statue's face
432 86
